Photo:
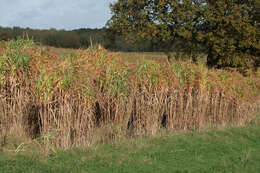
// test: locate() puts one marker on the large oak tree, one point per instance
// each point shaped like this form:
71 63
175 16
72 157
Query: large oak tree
227 30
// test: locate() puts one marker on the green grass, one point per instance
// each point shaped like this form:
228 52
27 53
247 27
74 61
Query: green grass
231 150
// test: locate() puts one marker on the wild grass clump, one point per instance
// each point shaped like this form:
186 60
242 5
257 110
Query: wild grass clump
91 96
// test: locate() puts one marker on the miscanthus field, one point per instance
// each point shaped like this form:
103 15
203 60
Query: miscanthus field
92 95
57 101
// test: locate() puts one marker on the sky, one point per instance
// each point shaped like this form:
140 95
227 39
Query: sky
58 14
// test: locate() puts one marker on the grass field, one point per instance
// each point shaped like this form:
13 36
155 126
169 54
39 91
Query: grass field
234 150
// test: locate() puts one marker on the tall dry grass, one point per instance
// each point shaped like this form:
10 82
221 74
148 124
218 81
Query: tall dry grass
91 96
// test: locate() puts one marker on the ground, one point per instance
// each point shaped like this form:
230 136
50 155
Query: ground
210 151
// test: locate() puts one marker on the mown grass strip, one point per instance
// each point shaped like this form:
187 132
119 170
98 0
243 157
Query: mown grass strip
213 151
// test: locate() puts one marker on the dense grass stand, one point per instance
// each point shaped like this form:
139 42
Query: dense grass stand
91 96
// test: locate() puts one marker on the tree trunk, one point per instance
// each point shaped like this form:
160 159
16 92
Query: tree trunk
212 59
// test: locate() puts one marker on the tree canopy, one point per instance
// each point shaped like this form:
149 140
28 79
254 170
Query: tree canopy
227 30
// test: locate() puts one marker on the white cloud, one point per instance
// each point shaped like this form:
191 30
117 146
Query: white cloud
60 14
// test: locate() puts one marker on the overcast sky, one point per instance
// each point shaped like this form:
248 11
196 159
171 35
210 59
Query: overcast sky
59 14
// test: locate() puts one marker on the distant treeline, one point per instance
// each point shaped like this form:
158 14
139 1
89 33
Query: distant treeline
78 38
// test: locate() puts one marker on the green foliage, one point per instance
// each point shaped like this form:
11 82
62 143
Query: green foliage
227 30
16 58
116 81
44 84
17 54
233 34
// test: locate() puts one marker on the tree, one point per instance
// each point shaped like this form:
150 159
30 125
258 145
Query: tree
5 35
69 39
227 30
232 33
